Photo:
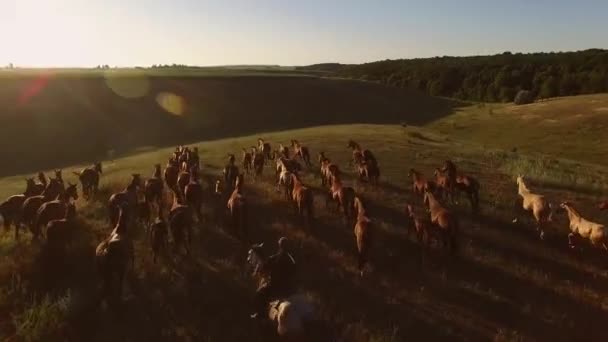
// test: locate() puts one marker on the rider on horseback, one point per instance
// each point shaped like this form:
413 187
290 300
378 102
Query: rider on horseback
278 270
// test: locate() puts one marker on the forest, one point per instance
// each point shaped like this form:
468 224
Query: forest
496 78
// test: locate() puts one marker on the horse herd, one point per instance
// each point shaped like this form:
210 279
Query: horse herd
47 206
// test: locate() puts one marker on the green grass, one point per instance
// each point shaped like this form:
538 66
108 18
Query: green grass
506 285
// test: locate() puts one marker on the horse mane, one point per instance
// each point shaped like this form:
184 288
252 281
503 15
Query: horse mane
571 209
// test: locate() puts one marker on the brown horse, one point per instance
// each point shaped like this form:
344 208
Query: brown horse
29 210
303 199
231 173
362 233
159 235
182 180
194 197
153 188
368 173
180 223
357 153
265 149
247 159
285 181
283 151
54 210
470 186
126 197
40 185
419 183
445 187
112 256
89 180
343 196
301 151
420 225
237 208
171 174
445 221
287 164
10 210
59 232
257 163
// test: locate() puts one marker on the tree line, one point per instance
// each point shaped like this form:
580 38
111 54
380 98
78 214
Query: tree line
496 78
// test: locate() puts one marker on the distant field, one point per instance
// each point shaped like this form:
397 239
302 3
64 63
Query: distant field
505 285
569 127
56 119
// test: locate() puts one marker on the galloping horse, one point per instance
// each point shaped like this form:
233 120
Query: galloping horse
443 219
537 204
595 232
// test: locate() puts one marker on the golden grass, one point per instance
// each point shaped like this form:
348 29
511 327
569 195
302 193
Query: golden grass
504 286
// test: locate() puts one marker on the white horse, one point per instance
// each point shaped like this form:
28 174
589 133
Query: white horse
539 206
595 232
290 314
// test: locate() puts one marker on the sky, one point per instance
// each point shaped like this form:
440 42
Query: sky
83 33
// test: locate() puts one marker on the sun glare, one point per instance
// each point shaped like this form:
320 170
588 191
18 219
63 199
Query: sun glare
48 33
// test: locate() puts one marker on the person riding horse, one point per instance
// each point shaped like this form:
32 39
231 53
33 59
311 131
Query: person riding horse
278 270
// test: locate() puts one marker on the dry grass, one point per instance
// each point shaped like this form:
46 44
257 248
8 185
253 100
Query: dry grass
504 286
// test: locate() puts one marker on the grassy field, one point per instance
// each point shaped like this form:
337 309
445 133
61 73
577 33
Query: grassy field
56 119
505 285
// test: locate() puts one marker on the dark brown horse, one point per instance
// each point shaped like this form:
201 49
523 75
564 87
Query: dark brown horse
113 254
258 164
54 210
247 159
171 174
127 197
10 210
470 186
159 235
419 183
59 232
40 185
194 197
265 149
344 197
89 179
180 223
153 189
29 210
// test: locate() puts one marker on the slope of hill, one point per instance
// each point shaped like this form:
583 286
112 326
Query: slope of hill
493 78
53 120
505 284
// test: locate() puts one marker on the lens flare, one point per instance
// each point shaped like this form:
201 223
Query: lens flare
172 103
128 86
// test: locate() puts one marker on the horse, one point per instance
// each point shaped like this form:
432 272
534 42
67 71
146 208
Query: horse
343 196
182 180
420 225
112 255
237 207
469 186
291 314
10 210
286 182
171 173
180 223
539 206
158 236
362 232
287 164
194 197
301 151
126 197
265 149
58 232
303 199
257 163
368 172
54 210
595 232
153 188
89 180
445 187
420 184
247 159
29 209
40 185
283 151
444 220
230 172
357 157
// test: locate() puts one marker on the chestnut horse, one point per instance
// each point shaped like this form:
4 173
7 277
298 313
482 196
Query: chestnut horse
29 210
303 199
420 184
126 197
54 210
444 220
153 188
362 233
10 210
301 151
237 208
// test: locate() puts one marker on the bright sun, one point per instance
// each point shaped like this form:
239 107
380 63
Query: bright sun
48 33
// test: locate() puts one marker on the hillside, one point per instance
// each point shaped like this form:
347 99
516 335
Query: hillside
505 285
494 78
51 120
